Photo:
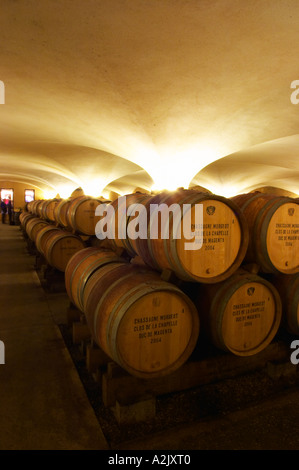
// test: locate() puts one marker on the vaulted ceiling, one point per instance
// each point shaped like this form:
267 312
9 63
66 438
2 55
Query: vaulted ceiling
119 94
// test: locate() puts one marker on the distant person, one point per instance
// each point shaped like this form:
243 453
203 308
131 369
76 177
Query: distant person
3 211
9 210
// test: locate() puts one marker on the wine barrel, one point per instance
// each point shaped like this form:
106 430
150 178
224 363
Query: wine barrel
77 193
81 214
79 269
33 226
241 314
60 213
288 287
24 219
40 208
47 210
42 235
117 221
223 229
146 325
30 205
34 206
274 231
60 247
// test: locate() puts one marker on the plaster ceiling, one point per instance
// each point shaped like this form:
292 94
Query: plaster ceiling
119 94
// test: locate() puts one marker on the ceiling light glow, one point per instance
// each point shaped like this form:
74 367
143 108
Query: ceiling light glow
94 187
50 194
65 190
177 169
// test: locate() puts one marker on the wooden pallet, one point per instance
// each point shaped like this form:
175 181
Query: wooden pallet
119 385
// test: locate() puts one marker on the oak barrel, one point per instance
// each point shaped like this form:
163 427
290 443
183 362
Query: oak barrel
25 217
148 326
117 221
60 213
42 235
81 214
224 234
48 209
32 227
60 247
288 288
241 314
32 206
40 207
79 269
274 231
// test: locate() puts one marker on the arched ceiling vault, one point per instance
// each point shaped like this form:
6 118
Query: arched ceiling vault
117 94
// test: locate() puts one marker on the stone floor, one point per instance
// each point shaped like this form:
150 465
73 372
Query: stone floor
43 404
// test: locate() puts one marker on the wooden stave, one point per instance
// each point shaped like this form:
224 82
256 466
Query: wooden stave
40 207
93 294
30 205
60 213
71 215
42 236
80 268
258 209
32 227
60 237
48 209
25 217
165 258
35 205
143 246
43 209
122 203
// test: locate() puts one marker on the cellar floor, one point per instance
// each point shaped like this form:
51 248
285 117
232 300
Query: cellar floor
48 402
43 404
270 425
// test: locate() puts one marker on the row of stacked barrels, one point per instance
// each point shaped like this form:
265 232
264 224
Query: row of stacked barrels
150 326
75 214
53 243
58 226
